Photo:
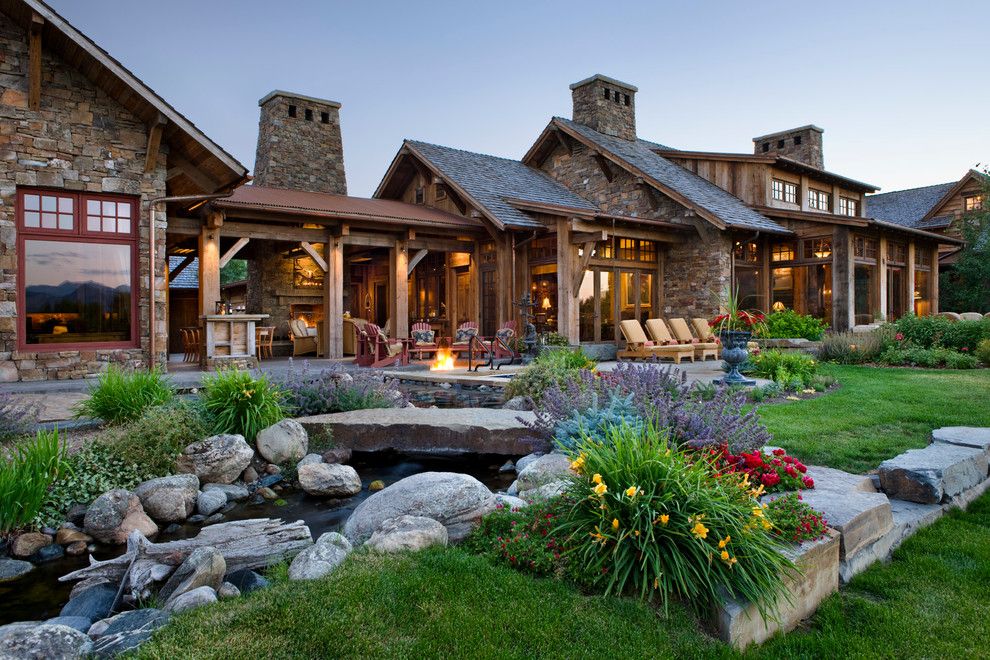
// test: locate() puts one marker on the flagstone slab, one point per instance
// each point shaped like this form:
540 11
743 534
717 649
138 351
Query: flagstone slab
934 474
975 437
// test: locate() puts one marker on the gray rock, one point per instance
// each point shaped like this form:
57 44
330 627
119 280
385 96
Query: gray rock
510 502
965 436
457 501
12 569
85 584
195 519
214 519
545 492
329 551
45 641
250 475
204 566
337 455
191 599
48 553
76 514
329 480
169 499
114 515
508 466
283 442
933 474
125 632
69 533
247 580
217 459
234 492
94 603
513 488
79 623
908 518
227 590
309 459
25 545
545 469
210 501
517 403
407 533
268 481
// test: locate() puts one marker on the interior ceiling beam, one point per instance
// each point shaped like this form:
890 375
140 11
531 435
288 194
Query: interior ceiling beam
314 255
234 249
155 131
34 61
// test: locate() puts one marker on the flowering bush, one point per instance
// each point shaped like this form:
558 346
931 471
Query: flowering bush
337 389
794 520
772 473
649 517
548 370
523 538
736 318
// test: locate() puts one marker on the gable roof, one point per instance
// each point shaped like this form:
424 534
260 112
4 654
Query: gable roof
490 181
696 193
124 87
907 208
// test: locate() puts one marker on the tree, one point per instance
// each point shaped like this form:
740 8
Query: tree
966 287
234 271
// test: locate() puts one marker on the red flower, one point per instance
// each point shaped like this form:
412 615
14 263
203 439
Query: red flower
899 336
808 482
779 452
770 479
964 349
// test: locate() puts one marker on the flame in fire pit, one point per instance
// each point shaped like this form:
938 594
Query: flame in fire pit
444 361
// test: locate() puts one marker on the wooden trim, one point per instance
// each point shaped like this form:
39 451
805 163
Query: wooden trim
582 266
416 258
562 140
956 189
626 232
603 165
579 238
155 132
314 255
193 173
34 61
233 250
809 216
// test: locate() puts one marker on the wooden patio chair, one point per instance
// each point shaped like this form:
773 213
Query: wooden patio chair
702 349
507 335
303 341
461 341
639 347
385 352
263 339
424 340
661 337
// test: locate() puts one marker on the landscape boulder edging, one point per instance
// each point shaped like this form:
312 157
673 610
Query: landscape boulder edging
169 499
284 442
407 533
217 459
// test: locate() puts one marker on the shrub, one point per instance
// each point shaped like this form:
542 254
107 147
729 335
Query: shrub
983 352
793 519
771 474
913 356
25 477
652 519
156 438
16 419
524 539
935 332
549 369
852 347
594 421
338 390
789 324
555 339
237 402
782 367
120 396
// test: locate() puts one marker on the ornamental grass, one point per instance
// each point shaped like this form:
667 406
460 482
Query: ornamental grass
122 396
657 520
237 402
26 474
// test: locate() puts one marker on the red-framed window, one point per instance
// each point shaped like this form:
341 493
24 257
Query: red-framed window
77 260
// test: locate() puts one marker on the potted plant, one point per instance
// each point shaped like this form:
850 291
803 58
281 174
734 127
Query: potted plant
735 328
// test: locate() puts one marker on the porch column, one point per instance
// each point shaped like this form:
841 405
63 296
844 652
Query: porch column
567 292
882 279
522 286
333 297
909 284
843 285
209 263
503 293
398 274
933 279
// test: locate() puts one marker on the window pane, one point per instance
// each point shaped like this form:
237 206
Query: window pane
76 292
32 219
48 203
123 226
586 307
607 319
109 224
92 207
32 202
123 210
48 220
109 208
65 205
92 223
64 221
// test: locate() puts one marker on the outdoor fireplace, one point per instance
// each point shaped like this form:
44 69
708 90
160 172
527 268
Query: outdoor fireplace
309 313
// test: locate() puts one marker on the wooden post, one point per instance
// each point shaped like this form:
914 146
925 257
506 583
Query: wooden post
503 293
882 279
522 285
933 280
333 298
909 284
843 286
567 295
398 273
209 265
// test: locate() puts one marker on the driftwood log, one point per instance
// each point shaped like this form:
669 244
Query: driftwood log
244 544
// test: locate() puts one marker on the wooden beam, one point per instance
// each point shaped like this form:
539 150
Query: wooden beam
585 259
234 249
34 61
458 201
209 269
603 164
650 193
181 267
155 131
399 285
194 174
578 238
442 245
562 139
314 255
416 258
370 240
627 232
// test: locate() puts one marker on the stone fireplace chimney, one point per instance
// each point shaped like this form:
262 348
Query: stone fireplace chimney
802 144
606 105
299 145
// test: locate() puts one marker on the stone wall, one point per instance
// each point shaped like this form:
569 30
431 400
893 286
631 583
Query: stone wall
696 275
615 115
300 153
270 287
79 140
801 144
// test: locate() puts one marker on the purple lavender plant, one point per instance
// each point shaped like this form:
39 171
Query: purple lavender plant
339 389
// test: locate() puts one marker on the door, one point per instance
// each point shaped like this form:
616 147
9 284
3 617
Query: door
182 313
895 293
488 302
381 304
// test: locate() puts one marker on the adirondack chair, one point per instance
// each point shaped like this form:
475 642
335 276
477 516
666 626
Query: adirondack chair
424 341
461 341
506 348
376 350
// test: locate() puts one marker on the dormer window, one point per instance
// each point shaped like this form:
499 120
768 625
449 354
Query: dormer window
784 191
819 200
848 206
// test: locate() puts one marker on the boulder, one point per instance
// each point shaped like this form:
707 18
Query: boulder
337 455
86 584
48 553
125 632
76 514
169 499
934 474
545 492
308 459
204 566
210 501
114 515
457 501
510 502
27 544
80 623
407 533
191 599
217 459
508 466
250 475
283 442
45 641
376 486
12 569
247 581
518 403
234 492
94 603
77 548
329 479
227 590
965 436
545 469
69 533
329 551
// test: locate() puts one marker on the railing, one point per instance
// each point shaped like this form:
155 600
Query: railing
488 350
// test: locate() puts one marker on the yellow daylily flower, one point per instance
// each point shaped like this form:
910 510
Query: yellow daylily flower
699 530
758 511
631 491
597 478
725 555
724 541
615 523
756 492
600 489
664 519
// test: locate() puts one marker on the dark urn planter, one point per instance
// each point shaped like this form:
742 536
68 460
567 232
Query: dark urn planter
735 352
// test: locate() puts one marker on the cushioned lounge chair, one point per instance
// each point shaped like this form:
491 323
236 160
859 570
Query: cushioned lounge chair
702 349
661 336
638 347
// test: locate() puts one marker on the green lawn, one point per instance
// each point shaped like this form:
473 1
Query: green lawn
877 414
930 601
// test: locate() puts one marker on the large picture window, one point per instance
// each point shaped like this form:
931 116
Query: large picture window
79 279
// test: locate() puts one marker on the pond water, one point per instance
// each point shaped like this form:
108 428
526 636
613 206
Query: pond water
423 395
39 595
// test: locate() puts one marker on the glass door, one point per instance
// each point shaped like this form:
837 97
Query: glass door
895 293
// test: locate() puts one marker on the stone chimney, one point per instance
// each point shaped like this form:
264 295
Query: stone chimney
299 145
606 105
802 144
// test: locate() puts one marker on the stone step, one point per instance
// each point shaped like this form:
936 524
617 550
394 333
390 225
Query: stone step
908 517
934 474
975 437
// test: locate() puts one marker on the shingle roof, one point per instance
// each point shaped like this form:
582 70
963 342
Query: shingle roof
697 190
908 207
188 277
491 180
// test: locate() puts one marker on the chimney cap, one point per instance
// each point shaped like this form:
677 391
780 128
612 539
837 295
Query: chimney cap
799 129
606 79
301 97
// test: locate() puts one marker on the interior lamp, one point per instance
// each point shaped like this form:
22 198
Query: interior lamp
546 303
778 306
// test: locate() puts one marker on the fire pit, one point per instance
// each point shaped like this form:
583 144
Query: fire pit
444 360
